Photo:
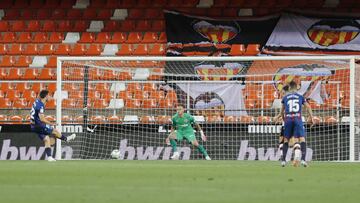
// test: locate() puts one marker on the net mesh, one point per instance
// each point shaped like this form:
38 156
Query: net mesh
128 105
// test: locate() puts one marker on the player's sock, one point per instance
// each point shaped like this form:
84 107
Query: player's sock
285 149
173 145
63 138
303 150
202 150
48 151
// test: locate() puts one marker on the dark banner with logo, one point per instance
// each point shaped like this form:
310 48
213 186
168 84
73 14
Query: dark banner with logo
210 36
146 142
297 32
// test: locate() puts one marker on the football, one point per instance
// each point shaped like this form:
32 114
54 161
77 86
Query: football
115 154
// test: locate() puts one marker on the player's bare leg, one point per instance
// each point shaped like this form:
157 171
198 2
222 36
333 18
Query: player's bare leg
201 149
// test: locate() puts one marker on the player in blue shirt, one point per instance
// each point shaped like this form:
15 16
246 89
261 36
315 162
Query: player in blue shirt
293 124
41 126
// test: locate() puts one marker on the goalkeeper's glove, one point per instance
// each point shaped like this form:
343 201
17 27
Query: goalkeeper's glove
203 137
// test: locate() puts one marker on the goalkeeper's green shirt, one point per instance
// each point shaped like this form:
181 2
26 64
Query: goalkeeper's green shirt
183 124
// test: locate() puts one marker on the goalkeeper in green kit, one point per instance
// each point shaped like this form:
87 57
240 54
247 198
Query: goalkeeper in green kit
182 122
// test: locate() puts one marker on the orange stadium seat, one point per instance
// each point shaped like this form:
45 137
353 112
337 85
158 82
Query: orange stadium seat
7 61
104 14
24 37
43 14
4 72
133 103
3 49
153 13
63 49
162 37
67 3
125 95
15 73
5 103
135 13
29 95
133 87
94 95
78 50
23 61
166 104
68 103
47 49
97 119
58 14
52 60
33 26
158 25
252 49
124 75
56 37
118 37
246 119
30 74
114 119
15 119
171 95
40 37
149 103
18 26
163 119
147 119
65 26
49 26
100 104
80 26
237 50
143 25
94 50
20 103
230 119
74 14
157 50
139 94
134 37
111 26
87 37
141 50
51 4
213 119
12 14
8 37
125 50
107 95
103 37
150 37
4 26
31 49
13 94
47 74
7 86
127 26
16 49
3 117
263 119
89 14
149 87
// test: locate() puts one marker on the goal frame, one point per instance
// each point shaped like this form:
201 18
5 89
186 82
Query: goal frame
351 60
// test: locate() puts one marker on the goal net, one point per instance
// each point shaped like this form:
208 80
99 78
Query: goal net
126 103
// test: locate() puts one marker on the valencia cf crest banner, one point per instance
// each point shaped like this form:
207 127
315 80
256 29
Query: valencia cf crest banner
189 35
296 32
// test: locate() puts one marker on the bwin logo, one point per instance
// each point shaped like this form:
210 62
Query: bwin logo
72 129
272 129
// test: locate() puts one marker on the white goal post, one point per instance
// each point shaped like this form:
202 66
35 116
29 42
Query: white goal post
233 98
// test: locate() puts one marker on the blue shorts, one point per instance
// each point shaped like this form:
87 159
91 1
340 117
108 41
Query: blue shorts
42 130
294 128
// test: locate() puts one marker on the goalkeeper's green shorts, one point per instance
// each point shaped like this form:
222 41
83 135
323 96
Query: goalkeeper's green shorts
188 136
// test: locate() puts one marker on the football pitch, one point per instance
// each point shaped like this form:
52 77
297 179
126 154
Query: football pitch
177 181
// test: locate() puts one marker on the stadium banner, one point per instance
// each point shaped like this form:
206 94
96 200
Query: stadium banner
225 97
210 36
225 142
297 32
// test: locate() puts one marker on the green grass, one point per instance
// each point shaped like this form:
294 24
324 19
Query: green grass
177 181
